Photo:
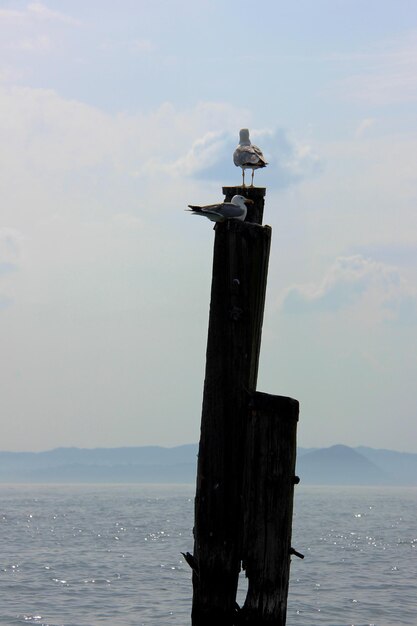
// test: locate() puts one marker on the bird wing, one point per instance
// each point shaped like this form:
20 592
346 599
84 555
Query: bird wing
259 154
248 155
208 208
237 156
227 210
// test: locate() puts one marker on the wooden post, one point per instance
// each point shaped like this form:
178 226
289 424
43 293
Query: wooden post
269 480
240 263
246 461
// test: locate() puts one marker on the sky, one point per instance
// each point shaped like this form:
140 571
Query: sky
113 118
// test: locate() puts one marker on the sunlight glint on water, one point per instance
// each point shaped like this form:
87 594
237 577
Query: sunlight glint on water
90 555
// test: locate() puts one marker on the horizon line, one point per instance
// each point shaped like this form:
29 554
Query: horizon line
171 447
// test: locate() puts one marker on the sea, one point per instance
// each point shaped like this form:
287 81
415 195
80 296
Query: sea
89 555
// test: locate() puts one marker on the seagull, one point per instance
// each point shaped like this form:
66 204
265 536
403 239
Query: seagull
235 209
247 156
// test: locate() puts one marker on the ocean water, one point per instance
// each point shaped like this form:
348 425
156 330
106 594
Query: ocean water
97 554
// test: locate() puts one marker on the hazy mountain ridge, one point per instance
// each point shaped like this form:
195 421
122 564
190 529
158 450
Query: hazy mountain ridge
340 465
336 465
144 455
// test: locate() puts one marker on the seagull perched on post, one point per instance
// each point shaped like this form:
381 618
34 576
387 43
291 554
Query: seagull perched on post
235 209
247 156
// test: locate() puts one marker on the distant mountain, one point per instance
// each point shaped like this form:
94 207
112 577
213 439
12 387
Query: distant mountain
401 467
135 464
146 455
339 465
336 465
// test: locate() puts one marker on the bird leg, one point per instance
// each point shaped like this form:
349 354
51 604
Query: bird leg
251 184
243 177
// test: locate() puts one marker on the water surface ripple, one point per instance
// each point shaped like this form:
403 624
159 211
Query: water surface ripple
111 554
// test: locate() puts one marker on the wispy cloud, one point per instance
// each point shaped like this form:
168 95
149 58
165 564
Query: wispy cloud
10 260
9 15
141 45
41 12
10 247
204 156
9 74
353 280
39 43
34 30
364 126
135 46
38 11
68 136
388 74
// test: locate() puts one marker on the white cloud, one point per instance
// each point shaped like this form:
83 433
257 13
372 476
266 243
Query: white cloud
378 289
204 152
44 134
210 157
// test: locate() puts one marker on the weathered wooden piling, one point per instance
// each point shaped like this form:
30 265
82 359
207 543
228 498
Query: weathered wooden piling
268 489
223 521
241 252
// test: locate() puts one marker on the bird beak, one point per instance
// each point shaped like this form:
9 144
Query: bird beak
249 201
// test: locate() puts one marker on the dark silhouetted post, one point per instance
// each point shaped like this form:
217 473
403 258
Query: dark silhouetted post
240 268
268 490
241 252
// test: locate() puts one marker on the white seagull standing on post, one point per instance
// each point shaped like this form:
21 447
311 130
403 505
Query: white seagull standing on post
247 156
234 210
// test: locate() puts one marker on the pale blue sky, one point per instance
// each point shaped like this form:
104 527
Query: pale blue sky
113 117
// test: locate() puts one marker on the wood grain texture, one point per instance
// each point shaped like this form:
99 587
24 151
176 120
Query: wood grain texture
268 489
240 263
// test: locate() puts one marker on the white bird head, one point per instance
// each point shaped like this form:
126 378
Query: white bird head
241 200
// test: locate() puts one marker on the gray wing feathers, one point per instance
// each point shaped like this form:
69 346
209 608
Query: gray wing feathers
248 155
225 210
259 154
228 210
